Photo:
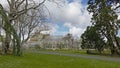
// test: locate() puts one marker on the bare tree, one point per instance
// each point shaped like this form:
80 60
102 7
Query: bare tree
19 14
30 23
17 8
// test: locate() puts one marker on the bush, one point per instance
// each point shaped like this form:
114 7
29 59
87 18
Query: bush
37 46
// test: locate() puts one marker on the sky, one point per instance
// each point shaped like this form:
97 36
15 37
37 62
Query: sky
70 17
66 16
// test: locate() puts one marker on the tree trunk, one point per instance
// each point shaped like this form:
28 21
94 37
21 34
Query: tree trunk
11 31
113 47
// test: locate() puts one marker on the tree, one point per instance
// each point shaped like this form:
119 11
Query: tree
13 17
105 18
115 3
92 39
69 39
17 9
10 18
9 30
30 23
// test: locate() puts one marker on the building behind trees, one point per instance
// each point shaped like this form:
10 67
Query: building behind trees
47 41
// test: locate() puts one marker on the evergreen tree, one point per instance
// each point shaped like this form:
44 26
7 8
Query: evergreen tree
105 18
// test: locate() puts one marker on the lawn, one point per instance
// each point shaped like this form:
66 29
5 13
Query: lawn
66 51
36 60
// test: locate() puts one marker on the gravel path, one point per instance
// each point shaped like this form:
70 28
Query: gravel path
115 59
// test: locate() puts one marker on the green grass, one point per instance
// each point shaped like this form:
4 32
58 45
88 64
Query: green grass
83 51
36 60
66 51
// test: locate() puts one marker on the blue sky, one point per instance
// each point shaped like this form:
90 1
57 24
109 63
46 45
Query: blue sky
83 1
71 18
61 29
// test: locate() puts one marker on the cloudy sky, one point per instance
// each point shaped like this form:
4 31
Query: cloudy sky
71 17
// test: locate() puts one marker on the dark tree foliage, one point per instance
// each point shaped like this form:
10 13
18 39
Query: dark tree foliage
98 4
92 39
106 20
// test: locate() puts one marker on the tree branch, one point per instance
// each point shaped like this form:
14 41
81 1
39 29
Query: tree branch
19 13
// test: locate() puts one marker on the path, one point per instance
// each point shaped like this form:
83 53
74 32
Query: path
115 59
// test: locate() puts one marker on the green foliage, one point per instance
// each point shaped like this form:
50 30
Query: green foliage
91 39
37 46
106 20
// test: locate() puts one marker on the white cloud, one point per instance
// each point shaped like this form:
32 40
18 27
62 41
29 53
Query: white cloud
73 15
53 28
75 31
72 11
67 24
3 2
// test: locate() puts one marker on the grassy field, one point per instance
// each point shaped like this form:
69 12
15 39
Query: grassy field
67 51
36 60
84 52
